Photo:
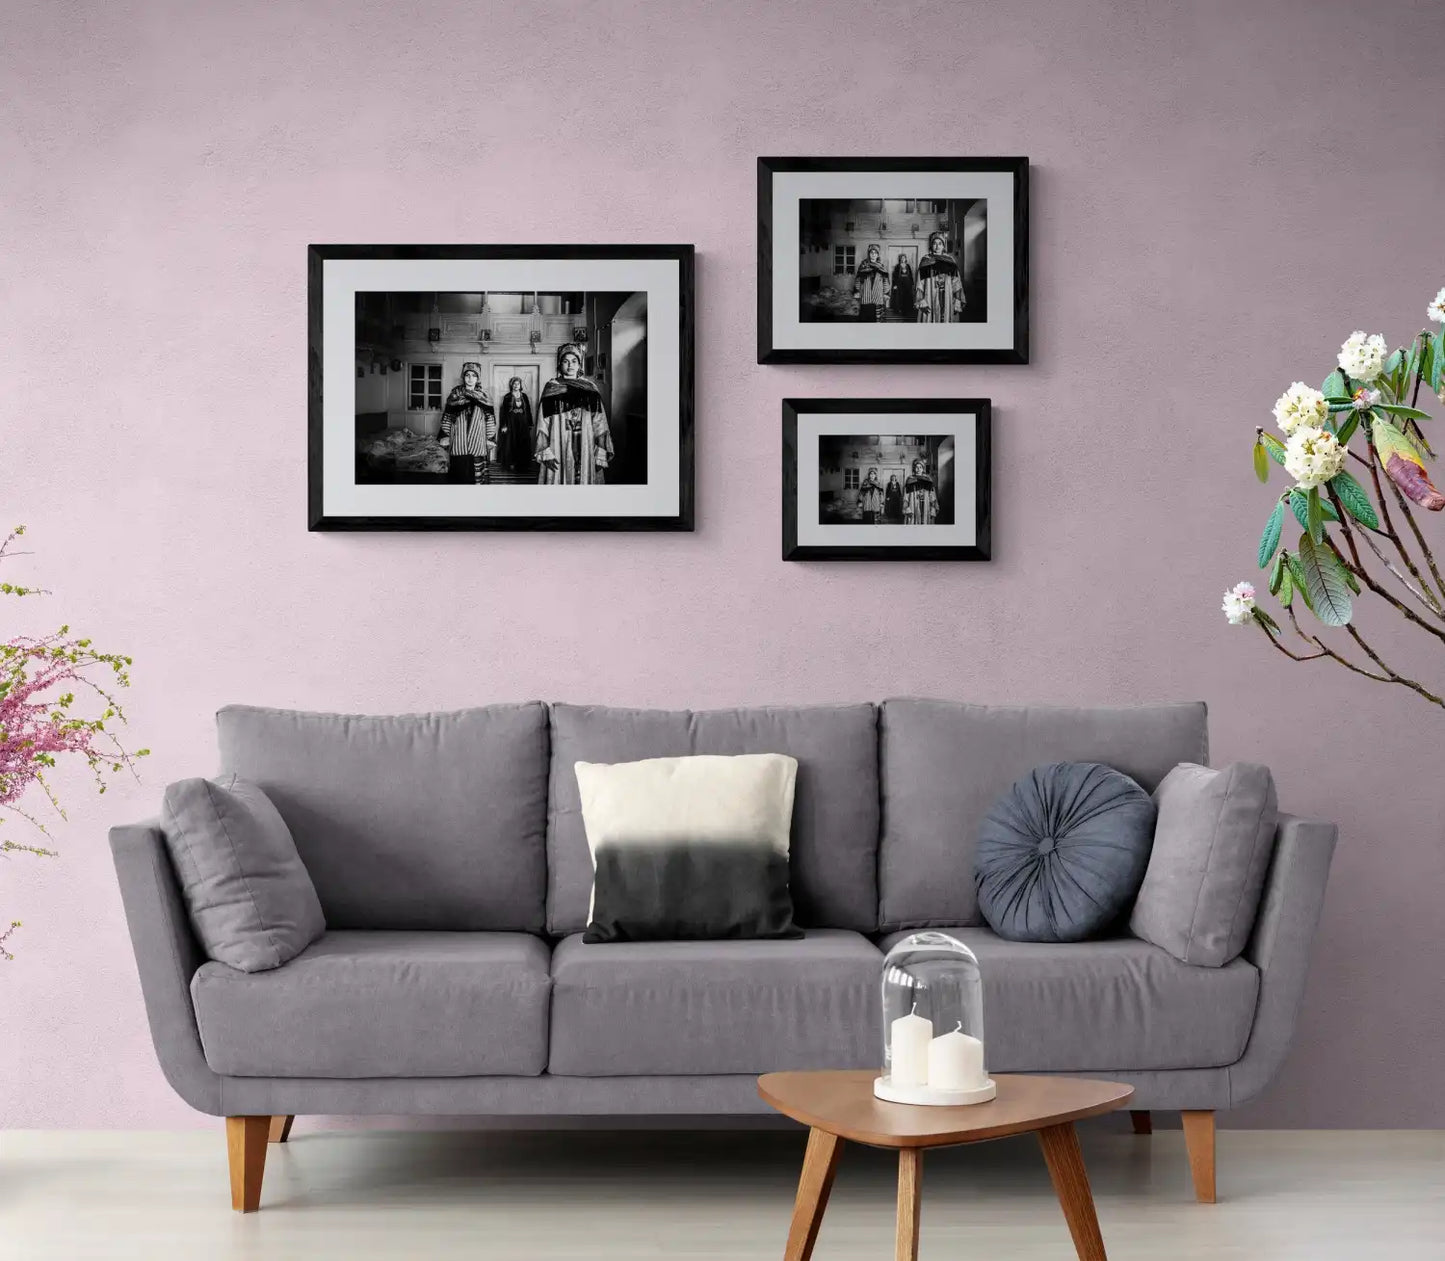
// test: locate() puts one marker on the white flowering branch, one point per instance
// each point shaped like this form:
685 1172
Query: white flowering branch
1362 400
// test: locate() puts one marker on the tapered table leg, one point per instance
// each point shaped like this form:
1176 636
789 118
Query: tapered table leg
1143 1122
1071 1185
820 1163
910 1178
281 1128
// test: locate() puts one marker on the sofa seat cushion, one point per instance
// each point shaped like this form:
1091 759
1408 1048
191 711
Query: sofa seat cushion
1119 1005
382 1004
701 1007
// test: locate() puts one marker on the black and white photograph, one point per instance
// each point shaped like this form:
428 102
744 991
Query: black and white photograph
542 395
886 479
893 260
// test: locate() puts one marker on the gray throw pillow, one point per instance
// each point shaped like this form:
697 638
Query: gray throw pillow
1212 847
1061 854
251 902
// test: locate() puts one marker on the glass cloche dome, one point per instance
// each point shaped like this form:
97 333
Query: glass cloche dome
933 1024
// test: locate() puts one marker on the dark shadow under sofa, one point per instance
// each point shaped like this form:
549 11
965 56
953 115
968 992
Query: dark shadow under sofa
449 856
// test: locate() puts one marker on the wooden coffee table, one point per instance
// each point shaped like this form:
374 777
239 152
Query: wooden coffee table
840 1105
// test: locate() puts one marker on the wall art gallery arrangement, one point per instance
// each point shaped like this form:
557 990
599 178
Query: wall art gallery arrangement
550 387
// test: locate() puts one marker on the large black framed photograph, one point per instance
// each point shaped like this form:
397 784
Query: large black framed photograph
893 260
886 479
500 387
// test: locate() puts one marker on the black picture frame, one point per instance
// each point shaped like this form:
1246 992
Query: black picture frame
980 408
683 520
1018 352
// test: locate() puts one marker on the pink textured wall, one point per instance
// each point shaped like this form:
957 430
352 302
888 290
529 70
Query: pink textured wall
1221 193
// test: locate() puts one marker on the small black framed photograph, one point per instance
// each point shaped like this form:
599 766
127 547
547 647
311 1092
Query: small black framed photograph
500 387
893 260
886 479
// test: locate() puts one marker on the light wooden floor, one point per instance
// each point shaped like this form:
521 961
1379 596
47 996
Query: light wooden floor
603 1196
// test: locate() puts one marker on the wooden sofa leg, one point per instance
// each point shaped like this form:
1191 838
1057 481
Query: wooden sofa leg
281 1128
1199 1139
1143 1122
246 1148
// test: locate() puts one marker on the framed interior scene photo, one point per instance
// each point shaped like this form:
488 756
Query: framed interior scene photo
500 387
886 479
893 260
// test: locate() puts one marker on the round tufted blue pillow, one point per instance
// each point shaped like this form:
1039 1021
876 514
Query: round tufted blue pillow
1062 854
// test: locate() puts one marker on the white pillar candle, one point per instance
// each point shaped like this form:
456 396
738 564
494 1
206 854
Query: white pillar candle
908 1041
955 1061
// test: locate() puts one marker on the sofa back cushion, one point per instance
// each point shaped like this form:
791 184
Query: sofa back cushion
419 821
834 846
944 765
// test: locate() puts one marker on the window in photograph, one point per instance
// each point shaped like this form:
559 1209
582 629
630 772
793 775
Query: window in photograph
845 259
425 390
850 478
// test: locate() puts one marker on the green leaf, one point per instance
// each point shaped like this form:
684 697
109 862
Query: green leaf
1351 579
1273 447
1286 587
1325 582
1300 506
1399 409
1261 462
1269 540
1341 405
1314 516
1334 386
1297 575
1276 572
1347 430
1265 620
1437 361
1354 499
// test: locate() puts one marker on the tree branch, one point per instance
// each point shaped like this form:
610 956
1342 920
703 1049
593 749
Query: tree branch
1390 530
1419 537
1368 579
1425 596
1394 677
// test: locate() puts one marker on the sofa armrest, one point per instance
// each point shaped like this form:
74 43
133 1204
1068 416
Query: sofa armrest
167 956
1284 931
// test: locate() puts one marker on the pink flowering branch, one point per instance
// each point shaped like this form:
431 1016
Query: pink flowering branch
57 703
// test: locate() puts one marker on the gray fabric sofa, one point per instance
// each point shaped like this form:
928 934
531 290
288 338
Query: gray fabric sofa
449 856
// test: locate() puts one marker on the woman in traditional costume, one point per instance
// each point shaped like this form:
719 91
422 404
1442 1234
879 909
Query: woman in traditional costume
514 429
901 299
573 443
893 501
870 498
920 500
870 287
939 289
469 428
